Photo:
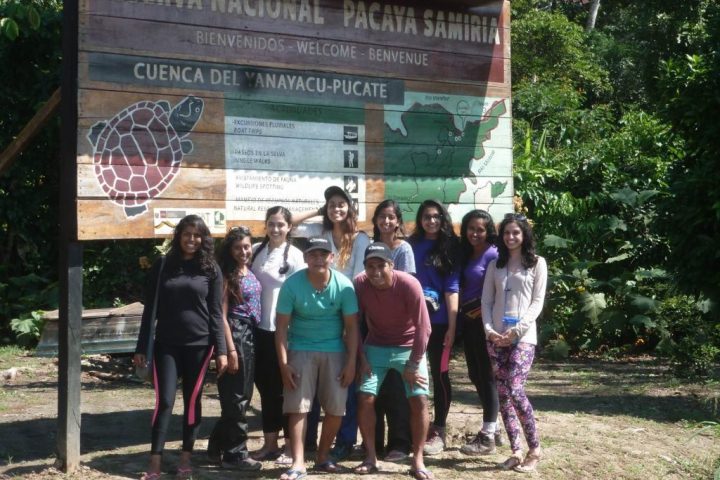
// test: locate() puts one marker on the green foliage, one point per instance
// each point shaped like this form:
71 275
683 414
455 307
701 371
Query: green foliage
592 169
549 48
16 15
27 329
30 69
116 269
689 86
688 336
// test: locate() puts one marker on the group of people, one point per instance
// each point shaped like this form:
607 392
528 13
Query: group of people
358 326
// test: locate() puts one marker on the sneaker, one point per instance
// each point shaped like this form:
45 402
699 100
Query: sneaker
241 464
435 443
482 444
341 451
499 438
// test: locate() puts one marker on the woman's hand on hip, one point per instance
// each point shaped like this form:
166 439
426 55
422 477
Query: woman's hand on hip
139 360
221 362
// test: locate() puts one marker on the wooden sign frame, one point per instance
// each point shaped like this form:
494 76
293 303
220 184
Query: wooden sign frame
227 107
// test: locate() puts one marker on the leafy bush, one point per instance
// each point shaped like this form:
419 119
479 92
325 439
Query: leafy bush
27 329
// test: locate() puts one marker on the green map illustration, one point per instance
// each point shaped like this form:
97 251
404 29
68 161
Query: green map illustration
438 146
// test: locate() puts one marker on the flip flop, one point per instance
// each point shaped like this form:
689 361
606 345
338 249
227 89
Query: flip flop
267 455
512 461
328 466
421 474
151 476
293 474
365 468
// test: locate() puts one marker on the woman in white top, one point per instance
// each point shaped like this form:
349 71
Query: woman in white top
274 259
512 299
339 227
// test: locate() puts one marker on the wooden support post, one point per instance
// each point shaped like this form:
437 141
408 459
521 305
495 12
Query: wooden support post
70 323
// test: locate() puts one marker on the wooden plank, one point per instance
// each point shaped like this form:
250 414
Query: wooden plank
199 185
32 128
109 222
100 334
438 86
149 38
101 104
476 26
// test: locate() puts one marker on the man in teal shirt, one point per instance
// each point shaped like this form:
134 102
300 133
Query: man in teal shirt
316 341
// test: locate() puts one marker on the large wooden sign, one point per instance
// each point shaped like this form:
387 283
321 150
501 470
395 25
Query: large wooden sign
227 107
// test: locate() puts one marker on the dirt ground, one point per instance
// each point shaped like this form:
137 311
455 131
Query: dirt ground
597 420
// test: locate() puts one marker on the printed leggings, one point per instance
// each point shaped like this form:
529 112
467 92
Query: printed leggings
511 366
171 362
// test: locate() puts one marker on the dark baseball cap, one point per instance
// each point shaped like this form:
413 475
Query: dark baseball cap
335 190
378 250
318 243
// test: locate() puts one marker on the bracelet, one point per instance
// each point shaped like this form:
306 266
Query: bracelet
412 366
232 351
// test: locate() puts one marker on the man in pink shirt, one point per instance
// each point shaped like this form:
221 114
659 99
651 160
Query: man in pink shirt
393 305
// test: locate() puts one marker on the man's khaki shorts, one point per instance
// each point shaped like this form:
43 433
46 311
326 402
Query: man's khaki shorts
319 373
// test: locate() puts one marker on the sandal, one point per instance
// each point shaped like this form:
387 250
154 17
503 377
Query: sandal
513 461
184 473
421 474
151 475
293 474
366 468
530 463
267 455
328 466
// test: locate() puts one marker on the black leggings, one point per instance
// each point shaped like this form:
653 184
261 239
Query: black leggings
171 362
442 390
392 401
269 382
479 367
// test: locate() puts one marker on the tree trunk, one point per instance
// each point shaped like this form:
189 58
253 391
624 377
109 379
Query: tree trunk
590 25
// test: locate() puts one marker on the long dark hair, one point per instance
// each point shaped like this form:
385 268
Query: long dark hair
466 250
349 229
527 249
203 259
443 254
231 271
288 218
389 203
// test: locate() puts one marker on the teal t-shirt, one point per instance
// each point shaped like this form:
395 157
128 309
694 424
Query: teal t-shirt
316 319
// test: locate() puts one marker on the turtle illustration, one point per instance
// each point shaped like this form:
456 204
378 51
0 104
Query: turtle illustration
138 152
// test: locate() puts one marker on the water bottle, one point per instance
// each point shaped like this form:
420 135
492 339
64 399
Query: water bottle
510 322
